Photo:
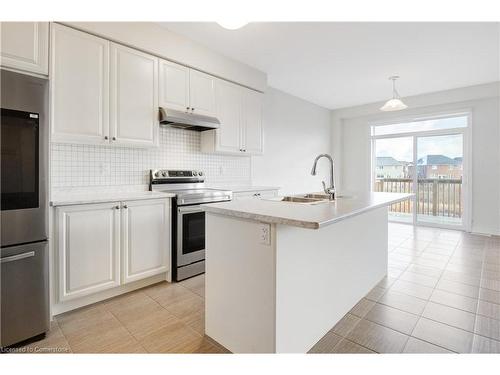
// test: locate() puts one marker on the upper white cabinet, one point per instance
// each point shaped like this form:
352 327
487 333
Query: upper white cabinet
101 92
25 46
228 99
240 112
202 93
174 86
185 89
145 238
79 84
88 249
133 97
253 132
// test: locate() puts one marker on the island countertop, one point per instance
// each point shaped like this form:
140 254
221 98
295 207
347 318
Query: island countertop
305 215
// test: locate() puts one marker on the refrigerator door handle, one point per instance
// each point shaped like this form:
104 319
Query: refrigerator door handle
13 258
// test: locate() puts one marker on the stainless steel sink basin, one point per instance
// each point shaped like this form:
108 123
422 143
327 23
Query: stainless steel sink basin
317 196
300 199
311 198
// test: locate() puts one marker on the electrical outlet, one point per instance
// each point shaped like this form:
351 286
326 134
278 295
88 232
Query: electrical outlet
265 234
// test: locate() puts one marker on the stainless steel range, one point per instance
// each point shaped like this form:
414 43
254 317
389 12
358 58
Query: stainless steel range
188 218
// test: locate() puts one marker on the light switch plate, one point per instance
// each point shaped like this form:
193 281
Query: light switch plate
265 234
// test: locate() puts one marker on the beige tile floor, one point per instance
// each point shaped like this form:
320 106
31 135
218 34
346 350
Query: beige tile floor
441 295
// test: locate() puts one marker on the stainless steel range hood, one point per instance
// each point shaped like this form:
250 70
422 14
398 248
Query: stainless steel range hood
190 121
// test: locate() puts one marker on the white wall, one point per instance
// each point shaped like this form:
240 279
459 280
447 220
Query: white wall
351 145
295 132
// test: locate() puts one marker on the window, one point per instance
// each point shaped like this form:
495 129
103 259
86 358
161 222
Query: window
459 121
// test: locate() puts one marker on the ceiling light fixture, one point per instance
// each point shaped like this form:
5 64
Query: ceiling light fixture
232 24
394 104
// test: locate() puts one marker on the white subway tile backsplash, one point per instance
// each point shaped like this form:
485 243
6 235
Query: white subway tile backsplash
75 165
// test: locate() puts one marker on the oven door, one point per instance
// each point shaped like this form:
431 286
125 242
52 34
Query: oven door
190 234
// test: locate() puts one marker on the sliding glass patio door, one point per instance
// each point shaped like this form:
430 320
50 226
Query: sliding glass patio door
393 157
428 158
439 195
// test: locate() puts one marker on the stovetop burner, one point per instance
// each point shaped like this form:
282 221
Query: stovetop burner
189 186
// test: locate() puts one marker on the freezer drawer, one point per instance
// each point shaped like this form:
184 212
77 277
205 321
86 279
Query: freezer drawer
24 292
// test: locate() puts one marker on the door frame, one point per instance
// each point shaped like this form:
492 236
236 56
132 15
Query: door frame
466 163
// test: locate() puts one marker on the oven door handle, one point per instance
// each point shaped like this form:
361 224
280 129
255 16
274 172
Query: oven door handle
189 209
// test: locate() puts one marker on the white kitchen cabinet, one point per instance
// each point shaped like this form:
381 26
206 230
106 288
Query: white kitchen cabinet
240 112
79 87
101 92
25 46
201 93
174 86
257 194
133 97
145 238
106 245
228 99
88 245
253 142
187 90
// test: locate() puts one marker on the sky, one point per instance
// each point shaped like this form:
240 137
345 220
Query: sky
402 148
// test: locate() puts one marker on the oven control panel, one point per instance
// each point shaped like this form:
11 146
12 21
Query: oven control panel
162 174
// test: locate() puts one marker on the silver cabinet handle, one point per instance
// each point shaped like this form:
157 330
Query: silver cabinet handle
125 206
13 258
117 207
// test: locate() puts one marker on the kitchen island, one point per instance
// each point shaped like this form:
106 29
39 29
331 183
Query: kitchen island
280 275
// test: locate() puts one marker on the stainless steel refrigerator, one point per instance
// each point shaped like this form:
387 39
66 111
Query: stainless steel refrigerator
24 278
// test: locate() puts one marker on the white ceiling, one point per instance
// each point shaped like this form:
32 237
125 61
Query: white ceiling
339 65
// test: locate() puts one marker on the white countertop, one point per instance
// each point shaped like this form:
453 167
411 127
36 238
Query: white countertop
69 198
305 215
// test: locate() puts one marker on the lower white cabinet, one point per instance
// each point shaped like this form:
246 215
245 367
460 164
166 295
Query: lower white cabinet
88 249
257 194
145 239
101 246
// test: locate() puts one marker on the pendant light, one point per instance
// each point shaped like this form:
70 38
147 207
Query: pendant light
394 104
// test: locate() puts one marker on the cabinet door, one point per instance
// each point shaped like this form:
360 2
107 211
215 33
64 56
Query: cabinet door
202 93
88 244
145 238
174 86
79 86
253 137
133 97
25 46
228 104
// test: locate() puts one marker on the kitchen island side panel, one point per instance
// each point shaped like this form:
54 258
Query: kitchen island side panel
321 274
239 285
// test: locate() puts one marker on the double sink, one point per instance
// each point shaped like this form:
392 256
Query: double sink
312 198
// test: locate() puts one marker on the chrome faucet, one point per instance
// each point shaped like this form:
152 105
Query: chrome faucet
331 189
